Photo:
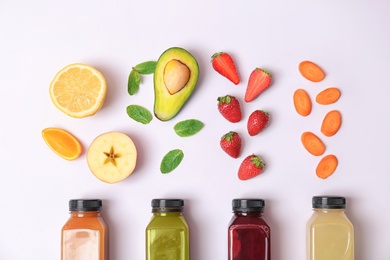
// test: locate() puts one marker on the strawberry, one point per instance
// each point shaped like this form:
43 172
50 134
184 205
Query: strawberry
231 143
223 63
229 107
257 121
259 80
250 167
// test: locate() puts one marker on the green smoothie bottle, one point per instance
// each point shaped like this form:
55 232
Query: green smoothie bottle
167 236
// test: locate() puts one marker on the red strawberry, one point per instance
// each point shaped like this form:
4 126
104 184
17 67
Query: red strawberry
229 107
259 80
252 166
231 143
257 121
224 65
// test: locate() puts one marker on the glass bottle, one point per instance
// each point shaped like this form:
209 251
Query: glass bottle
85 234
167 234
329 233
249 235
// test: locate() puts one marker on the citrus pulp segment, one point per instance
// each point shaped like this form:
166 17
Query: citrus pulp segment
62 143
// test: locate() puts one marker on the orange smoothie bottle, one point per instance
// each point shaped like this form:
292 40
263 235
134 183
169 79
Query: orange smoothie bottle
85 234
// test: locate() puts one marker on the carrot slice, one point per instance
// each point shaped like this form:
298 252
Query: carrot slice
302 102
327 166
311 71
312 143
331 123
62 143
328 96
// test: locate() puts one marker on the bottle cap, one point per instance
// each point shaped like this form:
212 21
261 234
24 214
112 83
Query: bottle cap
85 205
248 205
167 205
328 202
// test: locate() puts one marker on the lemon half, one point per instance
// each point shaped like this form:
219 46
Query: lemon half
78 90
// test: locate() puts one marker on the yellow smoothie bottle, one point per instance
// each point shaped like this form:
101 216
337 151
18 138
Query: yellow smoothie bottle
329 233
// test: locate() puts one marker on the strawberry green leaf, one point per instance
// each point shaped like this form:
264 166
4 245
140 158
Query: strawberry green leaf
139 114
188 127
146 67
257 161
171 160
228 136
133 82
225 99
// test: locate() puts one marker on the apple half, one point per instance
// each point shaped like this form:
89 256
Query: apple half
112 157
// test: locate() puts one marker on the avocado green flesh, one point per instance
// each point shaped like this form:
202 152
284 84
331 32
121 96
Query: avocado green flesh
166 105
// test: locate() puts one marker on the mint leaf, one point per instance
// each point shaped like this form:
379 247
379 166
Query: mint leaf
188 127
146 67
133 82
171 160
139 114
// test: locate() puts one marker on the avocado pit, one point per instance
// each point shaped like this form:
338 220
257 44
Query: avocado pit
176 76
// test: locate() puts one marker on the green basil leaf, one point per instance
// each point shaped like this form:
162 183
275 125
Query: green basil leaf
133 82
139 114
188 127
171 160
146 67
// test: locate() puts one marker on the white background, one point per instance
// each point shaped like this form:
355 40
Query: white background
349 39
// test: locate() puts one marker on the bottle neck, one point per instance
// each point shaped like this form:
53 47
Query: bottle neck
329 210
249 214
84 214
163 214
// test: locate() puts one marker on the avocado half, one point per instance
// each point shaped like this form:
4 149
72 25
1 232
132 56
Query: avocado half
175 78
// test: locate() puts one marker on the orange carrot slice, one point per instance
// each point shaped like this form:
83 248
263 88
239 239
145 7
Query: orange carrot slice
62 143
311 71
328 96
331 123
312 143
327 166
302 102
